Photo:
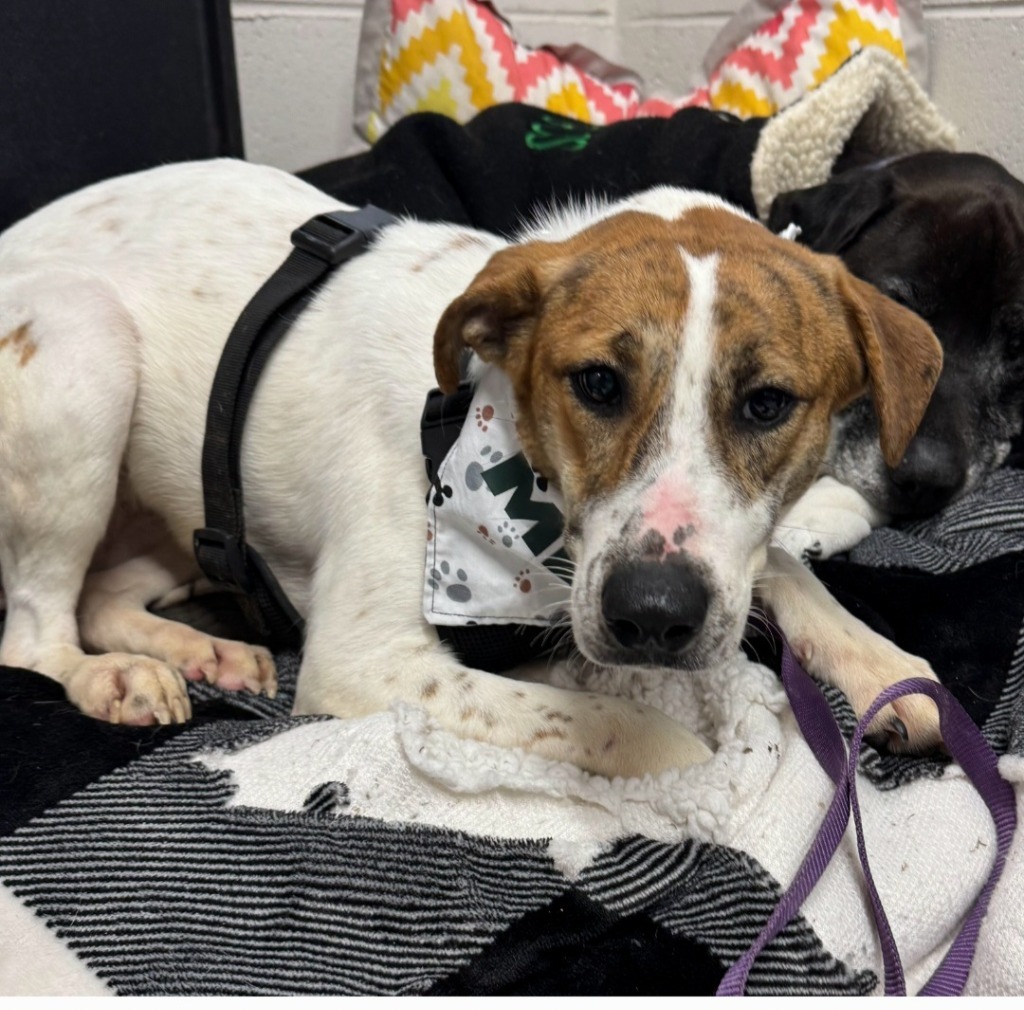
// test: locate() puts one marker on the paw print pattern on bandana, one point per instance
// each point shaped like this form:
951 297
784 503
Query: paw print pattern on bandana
508 534
475 470
457 591
484 416
495 555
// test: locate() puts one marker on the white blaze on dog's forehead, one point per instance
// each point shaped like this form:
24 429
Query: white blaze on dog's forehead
693 367
675 504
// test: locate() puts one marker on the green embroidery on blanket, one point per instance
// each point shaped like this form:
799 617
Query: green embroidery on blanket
550 133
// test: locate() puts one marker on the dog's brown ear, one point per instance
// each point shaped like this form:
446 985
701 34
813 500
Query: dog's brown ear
903 359
498 307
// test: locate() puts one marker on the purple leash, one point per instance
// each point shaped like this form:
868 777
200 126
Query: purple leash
967 747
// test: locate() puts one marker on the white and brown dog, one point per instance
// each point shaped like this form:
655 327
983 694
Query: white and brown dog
675 365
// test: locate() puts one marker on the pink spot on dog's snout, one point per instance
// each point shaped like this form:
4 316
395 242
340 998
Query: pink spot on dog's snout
669 517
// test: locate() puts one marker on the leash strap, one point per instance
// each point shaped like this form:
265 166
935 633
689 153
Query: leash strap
320 246
967 747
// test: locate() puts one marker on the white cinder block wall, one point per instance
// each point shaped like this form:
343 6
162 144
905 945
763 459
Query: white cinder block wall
296 63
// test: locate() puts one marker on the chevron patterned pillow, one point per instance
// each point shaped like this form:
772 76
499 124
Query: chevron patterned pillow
457 57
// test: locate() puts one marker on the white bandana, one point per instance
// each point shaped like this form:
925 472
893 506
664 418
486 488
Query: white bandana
494 546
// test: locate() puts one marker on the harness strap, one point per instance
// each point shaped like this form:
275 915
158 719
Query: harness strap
320 246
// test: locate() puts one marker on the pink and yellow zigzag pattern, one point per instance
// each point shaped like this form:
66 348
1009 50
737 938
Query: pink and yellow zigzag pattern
430 38
459 56
782 61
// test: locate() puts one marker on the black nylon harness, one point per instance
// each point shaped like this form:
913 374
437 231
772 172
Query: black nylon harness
320 246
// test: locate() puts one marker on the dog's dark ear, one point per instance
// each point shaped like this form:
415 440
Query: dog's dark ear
831 216
903 358
498 307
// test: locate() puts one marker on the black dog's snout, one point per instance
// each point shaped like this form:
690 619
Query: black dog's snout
654 607
930 475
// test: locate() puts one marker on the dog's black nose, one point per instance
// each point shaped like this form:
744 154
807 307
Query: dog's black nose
930 475
654 607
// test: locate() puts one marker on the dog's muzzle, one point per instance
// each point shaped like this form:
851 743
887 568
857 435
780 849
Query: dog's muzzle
653 610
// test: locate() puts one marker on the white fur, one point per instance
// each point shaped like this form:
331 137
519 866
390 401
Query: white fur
126 292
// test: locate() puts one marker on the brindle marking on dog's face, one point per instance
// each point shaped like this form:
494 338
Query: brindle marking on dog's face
619 298
692 318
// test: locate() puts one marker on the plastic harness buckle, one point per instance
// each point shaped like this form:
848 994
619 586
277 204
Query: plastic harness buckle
340 235
222 558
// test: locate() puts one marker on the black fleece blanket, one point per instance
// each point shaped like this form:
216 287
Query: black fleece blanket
129 850
510 159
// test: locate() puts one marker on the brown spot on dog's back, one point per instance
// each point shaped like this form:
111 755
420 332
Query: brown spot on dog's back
464 240
429 689
21 343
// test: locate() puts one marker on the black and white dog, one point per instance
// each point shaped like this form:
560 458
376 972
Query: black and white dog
943 234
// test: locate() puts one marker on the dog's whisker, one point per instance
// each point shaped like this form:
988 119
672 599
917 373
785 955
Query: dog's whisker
802 529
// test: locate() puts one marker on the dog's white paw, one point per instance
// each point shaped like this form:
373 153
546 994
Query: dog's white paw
818 534
233 666
863 668
827 519
134 690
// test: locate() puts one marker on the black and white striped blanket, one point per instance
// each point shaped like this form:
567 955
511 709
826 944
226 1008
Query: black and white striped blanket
254 853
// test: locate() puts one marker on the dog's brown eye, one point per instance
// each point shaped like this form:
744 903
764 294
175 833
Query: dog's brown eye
598 386
768 406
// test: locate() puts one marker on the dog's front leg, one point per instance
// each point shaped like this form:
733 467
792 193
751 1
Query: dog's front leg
602 734
841 650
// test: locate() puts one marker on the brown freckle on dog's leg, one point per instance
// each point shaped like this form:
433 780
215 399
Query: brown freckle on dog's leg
518 694
429 689
27 353
609 744
547 734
